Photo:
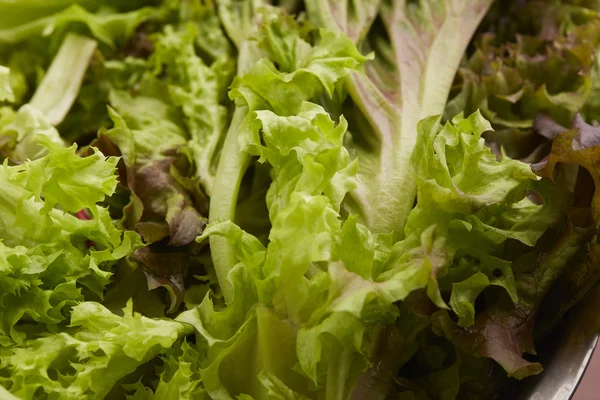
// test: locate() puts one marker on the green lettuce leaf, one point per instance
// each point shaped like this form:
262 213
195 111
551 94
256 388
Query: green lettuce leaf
212 41
470 217
504 331
293 195
97 350
51 259
458 236
196 89
456 171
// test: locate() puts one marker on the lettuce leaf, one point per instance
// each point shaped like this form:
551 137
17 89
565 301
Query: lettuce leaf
511 75
97 350
75 52
48 260
577 146
397 91
160 207
196 89
314 70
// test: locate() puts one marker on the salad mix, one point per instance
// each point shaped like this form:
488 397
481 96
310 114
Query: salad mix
318 199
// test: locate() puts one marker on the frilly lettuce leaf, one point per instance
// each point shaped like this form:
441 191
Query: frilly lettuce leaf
456 171
511 75
307 71
460 241
87 359
212 41
471 203
312 149
180 378
196 89
51 259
